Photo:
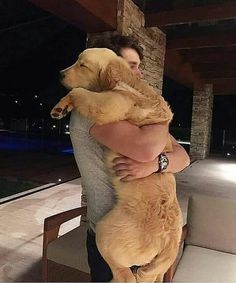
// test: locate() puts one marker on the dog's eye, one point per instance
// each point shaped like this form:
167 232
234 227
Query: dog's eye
82 65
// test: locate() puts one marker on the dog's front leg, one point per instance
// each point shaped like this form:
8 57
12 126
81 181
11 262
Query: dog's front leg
62 108
101 107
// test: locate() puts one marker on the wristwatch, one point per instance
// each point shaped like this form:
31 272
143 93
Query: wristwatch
163 162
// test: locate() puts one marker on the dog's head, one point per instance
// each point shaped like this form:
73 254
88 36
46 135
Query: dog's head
96 69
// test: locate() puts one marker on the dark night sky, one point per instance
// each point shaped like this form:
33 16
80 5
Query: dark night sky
180 99
33 68
36 45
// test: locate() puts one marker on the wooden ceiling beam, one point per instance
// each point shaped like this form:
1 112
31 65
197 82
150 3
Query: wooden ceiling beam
211 57
207 51
218 74
185 74
223 86
210 67
204 41
89 16
179 71
223 89
192 15
220 91
222 81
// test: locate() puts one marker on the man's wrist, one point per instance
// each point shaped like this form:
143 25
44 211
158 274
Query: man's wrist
162 162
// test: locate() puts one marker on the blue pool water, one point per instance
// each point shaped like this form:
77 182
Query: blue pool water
25 142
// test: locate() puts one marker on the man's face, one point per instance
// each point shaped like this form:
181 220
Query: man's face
132 57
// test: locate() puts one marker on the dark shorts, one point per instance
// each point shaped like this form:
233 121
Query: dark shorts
99 269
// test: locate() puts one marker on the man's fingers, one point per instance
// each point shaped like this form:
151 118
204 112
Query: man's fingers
122 159
121 166
127 178
121 173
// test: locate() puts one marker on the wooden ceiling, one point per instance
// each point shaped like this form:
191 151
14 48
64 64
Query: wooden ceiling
201 41
201 34
87 15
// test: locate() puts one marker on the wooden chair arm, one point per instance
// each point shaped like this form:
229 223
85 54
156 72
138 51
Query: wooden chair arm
52 224
56 220
51 229
168 277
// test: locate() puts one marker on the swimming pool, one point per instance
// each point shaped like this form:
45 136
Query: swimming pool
30 161
13 141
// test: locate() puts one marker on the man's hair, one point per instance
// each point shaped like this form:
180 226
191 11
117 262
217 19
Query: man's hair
117 42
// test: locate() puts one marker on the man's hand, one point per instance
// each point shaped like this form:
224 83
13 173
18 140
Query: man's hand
130 169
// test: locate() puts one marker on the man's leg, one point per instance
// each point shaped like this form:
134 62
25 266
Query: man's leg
99 269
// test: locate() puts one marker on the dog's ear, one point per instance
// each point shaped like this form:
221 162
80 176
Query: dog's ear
116 71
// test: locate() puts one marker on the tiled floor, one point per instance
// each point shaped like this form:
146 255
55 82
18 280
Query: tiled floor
21 226
21 221
212 176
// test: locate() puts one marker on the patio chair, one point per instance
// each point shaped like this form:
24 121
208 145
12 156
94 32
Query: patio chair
65 257
209 252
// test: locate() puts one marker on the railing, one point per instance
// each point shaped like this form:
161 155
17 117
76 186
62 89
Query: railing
182 135
48 127
37 135
223 142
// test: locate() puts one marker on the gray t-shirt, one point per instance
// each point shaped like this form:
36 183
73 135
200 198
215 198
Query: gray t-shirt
89 157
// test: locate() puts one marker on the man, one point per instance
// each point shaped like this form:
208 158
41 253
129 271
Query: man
141 150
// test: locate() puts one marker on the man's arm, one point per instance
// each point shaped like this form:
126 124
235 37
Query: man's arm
141 144
130 169
178 159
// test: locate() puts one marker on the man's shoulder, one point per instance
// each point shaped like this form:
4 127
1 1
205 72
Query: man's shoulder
80 122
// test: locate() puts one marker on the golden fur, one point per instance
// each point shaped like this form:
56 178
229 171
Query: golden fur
144 227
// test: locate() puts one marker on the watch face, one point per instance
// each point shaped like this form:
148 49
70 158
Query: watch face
164 164
163 161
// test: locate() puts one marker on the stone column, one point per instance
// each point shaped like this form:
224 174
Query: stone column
201 122
131 21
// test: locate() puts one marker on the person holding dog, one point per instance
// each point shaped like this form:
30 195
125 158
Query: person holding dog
141 150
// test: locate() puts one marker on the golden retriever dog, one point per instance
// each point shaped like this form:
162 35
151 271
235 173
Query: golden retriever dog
144 227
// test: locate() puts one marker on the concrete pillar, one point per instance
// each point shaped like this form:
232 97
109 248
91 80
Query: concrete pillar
201 122
131 21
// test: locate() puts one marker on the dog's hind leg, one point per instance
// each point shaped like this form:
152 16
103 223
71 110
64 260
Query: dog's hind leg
123 275
120 273
155 270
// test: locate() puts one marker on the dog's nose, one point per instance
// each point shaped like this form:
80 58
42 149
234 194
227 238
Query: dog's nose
62 75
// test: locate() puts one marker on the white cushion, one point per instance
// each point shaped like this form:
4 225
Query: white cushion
212 223
205 265
70 249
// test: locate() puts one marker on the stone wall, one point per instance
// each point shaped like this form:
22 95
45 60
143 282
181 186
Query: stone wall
201 122
131 21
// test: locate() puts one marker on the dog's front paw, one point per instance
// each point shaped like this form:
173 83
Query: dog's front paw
58 112
61 109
